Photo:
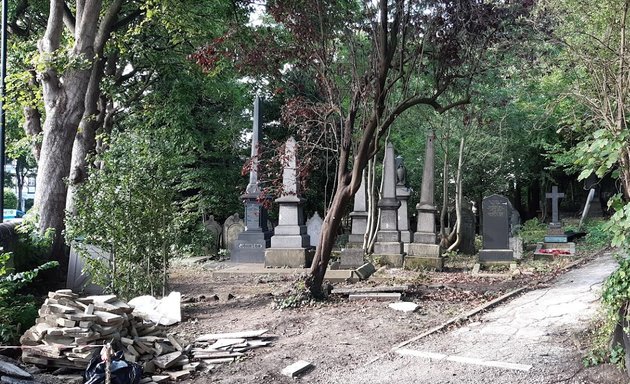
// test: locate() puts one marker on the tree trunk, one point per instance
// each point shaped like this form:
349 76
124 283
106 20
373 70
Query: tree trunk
458 198
327 238
64 100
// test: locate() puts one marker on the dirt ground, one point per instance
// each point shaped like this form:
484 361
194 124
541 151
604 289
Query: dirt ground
341 335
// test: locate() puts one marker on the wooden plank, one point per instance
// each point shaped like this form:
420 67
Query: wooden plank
108 318
233 335
98 299
220 360
179 375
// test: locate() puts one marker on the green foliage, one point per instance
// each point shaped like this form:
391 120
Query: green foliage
10 199
17 311
598 233
533 231
298 296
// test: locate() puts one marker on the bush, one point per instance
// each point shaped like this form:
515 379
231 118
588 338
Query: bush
10 199
17 310
533 231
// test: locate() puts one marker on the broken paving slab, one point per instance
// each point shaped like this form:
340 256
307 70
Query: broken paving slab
297 368
13 370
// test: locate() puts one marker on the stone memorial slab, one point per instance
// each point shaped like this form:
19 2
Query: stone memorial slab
215 230
314 228
467 240
496 230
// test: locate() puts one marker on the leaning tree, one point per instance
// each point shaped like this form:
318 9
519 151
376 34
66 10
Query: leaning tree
371 61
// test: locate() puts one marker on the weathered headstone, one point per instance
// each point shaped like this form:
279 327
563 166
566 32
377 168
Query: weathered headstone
252 242
352 254
388 246
314 228
402 194
467 234
232 228
496 230
424 252
215 230
77 279
290 244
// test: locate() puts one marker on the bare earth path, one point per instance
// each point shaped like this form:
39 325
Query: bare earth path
523 341
533 338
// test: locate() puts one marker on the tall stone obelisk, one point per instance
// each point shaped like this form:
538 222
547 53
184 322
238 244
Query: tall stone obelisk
424 252
251 243
290 244
388 246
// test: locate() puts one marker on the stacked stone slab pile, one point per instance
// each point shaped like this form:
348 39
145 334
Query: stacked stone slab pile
69 328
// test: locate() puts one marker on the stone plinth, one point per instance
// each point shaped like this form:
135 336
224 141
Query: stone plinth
352 257
289 257
428 256
402 194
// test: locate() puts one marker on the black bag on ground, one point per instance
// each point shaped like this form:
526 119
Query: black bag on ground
123 372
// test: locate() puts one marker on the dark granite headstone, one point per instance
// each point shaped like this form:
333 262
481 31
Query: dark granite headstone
467 241
496 230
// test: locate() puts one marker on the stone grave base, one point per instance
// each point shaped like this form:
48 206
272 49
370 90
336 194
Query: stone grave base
424 250
420 262
289 257
388 248
496 256
395 261
250 250
351 258
538 255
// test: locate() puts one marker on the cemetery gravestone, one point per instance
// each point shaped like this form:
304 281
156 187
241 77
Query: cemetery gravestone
403 192
215 230
424 252
77 279
252 242
352 254
233 227
290 244
467 239
496 230
314 228
388 246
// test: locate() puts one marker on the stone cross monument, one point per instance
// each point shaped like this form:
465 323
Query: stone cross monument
388 245
290 244
251 244
424 252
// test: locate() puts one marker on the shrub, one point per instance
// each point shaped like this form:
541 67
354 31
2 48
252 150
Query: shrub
10 199
533 231
17 310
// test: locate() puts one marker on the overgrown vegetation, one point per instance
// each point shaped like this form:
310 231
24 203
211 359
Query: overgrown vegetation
533 231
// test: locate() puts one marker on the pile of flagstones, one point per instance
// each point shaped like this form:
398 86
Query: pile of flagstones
70 328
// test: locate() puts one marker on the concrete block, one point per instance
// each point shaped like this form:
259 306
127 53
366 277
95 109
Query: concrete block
365 271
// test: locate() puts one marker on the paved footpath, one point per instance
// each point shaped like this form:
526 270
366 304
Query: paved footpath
526 340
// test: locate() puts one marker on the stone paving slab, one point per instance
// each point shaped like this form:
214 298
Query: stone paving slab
529 331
